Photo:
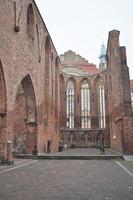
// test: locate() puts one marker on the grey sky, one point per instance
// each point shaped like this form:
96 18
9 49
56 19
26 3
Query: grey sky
82 25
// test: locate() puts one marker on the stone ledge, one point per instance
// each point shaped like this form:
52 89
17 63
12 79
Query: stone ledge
71 157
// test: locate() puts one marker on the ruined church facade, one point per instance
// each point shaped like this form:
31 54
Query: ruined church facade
35 108
97 99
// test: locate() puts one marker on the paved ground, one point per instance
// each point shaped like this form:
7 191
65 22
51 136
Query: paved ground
83 152
66 180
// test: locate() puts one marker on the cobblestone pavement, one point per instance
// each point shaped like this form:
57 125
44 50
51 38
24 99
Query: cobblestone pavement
65 180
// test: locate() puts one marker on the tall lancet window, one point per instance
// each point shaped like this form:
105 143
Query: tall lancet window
70 104
85 105
101 105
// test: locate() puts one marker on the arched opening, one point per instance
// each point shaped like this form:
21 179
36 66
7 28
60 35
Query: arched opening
86 139
2 107
25 125
71 139
85 105
101 103
46 77
70 104
30 22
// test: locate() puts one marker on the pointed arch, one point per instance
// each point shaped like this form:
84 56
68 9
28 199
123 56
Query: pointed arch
86 139
38 43
30 98
85 104
47 74
47 55
100 91
74 82
70 102
71 138
30 22
25 117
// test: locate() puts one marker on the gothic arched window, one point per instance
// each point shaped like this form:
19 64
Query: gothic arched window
85 105
46 75
101 105
70 104
30 22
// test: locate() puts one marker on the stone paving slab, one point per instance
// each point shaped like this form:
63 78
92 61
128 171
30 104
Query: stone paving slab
67 180
17 162
128 165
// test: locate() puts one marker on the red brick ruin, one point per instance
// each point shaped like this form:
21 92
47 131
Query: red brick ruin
33 88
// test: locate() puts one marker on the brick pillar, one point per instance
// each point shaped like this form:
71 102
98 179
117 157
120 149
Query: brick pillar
63 104
94 107
118 96
107 108
127 134
125 82
115 90
77 108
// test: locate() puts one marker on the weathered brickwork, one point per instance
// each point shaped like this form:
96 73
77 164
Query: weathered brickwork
33 87
119 99
77 69
131 90
28 58
119 116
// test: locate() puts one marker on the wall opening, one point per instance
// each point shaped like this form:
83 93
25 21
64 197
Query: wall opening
70 104
25 124
30 22
85 105
46 78
101 103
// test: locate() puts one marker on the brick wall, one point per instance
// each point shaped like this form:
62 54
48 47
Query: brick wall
119 100
22 53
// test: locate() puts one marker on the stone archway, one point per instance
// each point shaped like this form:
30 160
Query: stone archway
86 139
2 109
25 125
71 139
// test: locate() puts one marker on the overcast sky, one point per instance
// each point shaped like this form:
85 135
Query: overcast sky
82 25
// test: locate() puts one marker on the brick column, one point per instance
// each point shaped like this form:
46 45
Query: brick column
120 119
62 103
77 107
94 107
